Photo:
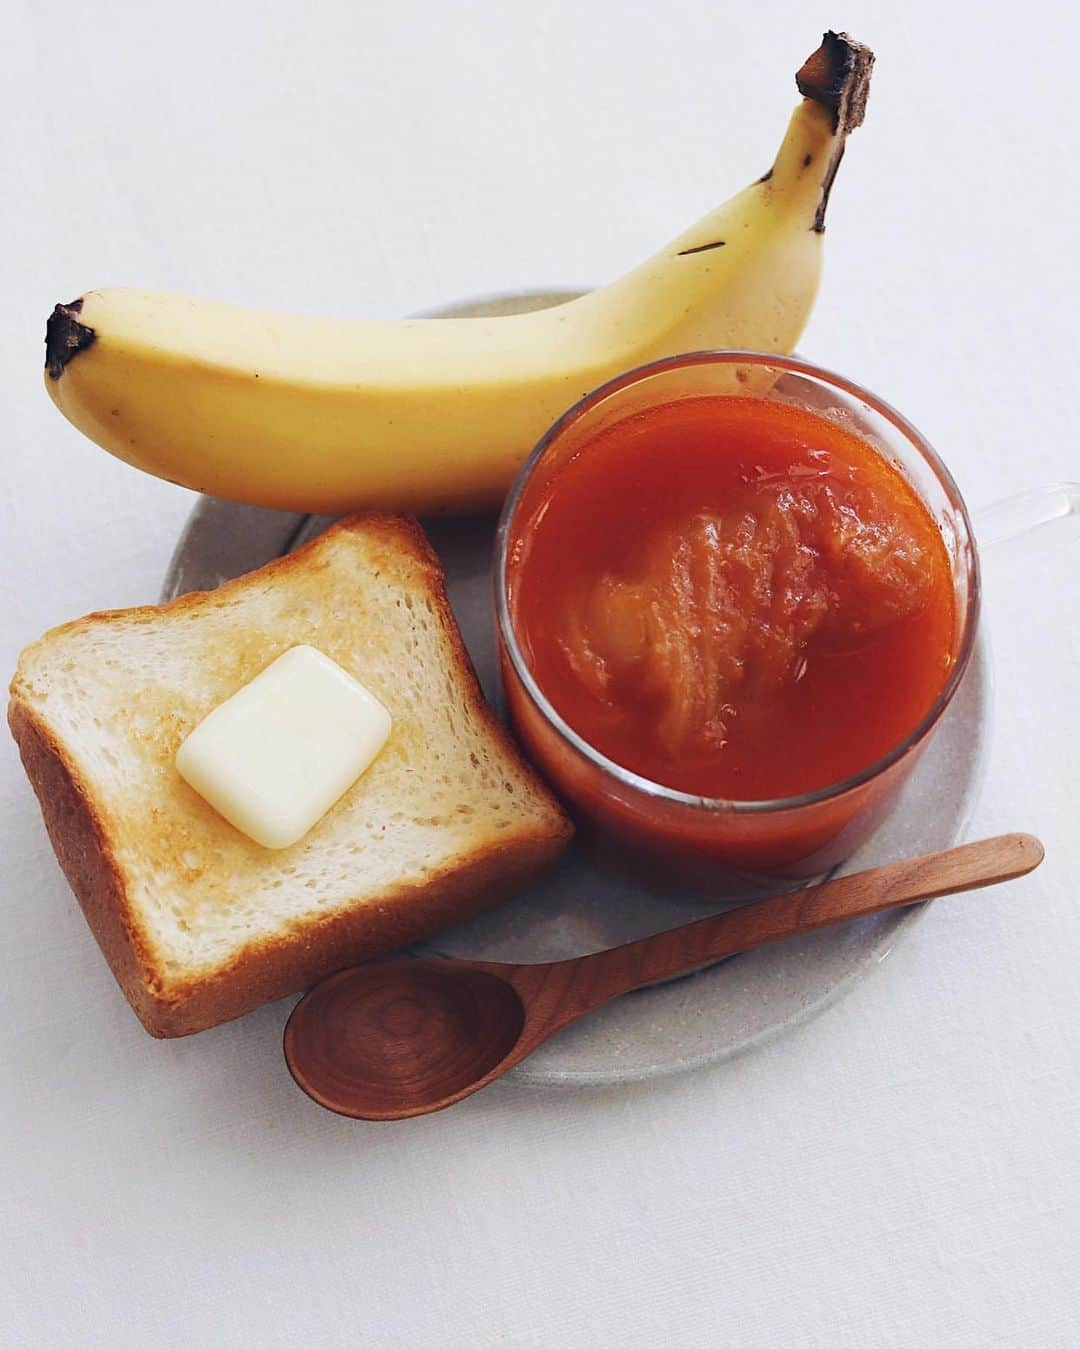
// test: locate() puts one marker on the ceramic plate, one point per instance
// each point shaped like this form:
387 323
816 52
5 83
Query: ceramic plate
580 908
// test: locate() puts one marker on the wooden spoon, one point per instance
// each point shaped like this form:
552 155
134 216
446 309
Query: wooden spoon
406 1037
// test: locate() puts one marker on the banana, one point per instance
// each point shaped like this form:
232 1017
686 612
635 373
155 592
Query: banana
436 415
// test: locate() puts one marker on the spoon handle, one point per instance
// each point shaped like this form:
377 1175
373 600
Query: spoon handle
607 974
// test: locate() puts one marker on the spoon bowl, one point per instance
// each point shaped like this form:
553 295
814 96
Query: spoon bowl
370 1041
407 1037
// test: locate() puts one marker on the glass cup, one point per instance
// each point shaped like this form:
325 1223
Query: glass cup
678 837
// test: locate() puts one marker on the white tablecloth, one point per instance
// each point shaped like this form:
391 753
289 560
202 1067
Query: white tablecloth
902 1172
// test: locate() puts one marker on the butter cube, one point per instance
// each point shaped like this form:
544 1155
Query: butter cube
274 757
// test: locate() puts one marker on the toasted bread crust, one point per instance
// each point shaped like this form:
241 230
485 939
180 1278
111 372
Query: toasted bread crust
81 844
270 967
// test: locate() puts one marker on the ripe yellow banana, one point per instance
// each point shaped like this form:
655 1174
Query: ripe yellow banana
433 415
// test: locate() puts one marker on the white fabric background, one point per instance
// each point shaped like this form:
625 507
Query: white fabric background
902 1172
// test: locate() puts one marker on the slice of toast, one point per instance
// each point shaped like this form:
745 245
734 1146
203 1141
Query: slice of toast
200 924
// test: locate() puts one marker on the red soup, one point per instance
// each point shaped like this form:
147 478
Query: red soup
733 597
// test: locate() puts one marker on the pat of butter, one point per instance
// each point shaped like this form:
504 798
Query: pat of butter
275 756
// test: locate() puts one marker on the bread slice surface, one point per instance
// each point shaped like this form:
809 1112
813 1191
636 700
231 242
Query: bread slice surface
199 923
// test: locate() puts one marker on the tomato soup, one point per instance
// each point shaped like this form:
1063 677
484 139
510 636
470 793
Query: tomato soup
734 597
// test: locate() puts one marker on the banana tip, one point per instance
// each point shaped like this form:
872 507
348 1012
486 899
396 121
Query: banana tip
65 337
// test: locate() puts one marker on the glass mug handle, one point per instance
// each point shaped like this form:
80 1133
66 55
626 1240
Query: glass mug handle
1057 504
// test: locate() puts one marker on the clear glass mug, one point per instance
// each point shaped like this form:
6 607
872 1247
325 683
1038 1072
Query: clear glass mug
675 835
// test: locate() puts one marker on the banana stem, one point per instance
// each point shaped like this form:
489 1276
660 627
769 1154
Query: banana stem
837 77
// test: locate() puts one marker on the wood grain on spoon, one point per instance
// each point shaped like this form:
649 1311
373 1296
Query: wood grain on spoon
406 1037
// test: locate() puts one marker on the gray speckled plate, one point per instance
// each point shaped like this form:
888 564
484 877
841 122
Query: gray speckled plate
579 907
